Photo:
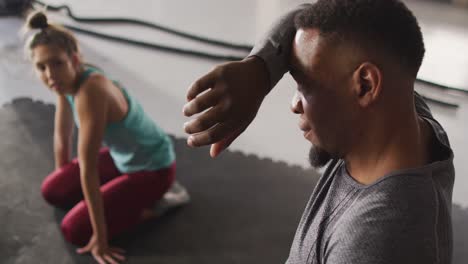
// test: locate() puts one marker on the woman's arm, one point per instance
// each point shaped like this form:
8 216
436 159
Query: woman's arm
92 104
63 132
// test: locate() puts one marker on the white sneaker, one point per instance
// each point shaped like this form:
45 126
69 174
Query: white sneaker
175 197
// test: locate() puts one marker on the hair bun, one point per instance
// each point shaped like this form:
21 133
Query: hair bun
37 20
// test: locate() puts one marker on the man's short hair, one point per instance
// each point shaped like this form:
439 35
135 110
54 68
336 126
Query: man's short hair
386 26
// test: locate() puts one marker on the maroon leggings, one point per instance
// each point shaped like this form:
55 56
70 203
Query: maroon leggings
124 196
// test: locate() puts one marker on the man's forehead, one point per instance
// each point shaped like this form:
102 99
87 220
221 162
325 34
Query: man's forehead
311 49
307 35
306 46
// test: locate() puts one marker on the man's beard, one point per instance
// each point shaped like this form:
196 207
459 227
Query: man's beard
319 157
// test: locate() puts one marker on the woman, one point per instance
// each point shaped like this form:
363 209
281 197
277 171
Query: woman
113 189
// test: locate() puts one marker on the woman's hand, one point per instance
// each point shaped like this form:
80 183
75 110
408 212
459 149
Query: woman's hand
102 252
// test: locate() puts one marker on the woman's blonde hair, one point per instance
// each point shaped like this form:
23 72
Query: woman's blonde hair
49 34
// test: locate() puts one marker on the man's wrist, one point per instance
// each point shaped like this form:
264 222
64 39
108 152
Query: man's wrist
264 74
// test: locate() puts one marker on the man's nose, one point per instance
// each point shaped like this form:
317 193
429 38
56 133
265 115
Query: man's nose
296 105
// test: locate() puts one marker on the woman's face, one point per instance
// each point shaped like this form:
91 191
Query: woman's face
56 68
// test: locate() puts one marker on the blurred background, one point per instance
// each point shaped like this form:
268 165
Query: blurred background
159 79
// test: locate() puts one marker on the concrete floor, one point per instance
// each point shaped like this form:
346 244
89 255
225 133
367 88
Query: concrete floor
168 76
159 80
237 214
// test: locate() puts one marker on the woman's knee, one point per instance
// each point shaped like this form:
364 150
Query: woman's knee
51 191
73 234
54 188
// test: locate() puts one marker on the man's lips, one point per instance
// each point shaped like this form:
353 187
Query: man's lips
306 134
304 126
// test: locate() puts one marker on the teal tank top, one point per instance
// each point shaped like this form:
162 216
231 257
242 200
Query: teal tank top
135 143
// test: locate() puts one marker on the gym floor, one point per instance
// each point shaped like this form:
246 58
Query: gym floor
238 214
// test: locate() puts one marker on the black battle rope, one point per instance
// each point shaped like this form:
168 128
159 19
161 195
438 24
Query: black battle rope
118 20
194 53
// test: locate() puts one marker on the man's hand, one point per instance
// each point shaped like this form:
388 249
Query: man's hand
232 93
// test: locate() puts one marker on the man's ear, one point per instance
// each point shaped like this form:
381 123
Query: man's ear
367 83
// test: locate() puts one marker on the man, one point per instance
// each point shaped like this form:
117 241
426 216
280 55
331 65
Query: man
386 194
